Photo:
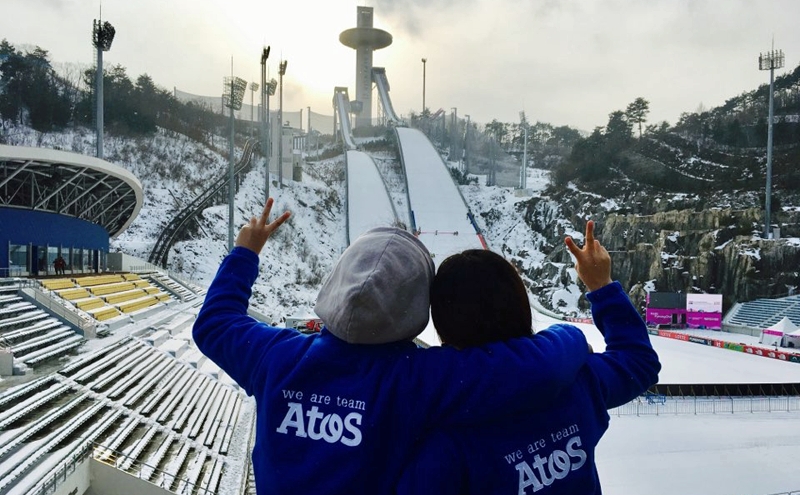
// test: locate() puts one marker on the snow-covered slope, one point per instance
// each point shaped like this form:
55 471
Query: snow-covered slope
296 258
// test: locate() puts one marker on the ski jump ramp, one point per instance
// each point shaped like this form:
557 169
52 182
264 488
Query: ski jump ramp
379 77
439 215
437 209
368 201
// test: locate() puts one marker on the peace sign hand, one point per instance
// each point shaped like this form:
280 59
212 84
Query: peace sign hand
593 262
254 235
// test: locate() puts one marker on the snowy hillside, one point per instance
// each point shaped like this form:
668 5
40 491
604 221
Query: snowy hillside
174 169
300 254
502 217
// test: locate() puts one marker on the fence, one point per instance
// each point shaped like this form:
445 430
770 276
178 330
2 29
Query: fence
661 406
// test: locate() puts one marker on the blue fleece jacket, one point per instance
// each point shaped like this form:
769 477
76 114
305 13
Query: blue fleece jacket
549 452
339 418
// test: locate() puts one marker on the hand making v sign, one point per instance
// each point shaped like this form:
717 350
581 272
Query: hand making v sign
254 235
592 262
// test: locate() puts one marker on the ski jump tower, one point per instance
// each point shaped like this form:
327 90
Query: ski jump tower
365 39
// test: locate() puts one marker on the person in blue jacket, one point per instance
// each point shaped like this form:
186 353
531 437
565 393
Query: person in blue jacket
478 299
340 412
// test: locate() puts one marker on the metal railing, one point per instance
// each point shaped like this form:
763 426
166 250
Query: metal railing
135 468
707 405
169 234
59 475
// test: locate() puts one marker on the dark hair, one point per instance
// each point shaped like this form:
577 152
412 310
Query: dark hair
478 297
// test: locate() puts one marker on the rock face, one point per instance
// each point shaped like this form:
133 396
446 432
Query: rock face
710 250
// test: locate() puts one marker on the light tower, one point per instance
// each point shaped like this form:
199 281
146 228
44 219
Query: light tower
365 39
770 61
102 37
232 96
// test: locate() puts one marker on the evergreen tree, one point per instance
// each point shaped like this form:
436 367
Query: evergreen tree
637 112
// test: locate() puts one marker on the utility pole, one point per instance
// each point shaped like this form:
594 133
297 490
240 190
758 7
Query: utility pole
424 63
466 145
524 173
281 72
770 61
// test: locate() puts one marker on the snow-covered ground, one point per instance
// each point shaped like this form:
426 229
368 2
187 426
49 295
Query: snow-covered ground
721 454
687 363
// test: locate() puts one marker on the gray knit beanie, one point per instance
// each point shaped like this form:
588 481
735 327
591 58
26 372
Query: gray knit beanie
379 291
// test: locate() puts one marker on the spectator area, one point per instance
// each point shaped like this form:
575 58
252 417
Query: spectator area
107 296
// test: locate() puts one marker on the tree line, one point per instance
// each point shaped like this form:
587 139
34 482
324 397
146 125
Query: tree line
33 93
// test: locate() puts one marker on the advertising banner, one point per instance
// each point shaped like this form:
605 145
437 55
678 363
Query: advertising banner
704 303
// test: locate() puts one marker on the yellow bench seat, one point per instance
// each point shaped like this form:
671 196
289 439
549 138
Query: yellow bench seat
89 303
102 290
128 295
104 313
137 304
58 283
72 294
163 297
101 280
141 284
130 276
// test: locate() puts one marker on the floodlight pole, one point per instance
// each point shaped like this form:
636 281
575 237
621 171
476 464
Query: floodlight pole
253 89
102 37
281 72
230 169
770 61
99 93
265 144
424 63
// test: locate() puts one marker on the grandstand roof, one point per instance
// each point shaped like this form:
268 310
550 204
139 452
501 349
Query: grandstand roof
70 184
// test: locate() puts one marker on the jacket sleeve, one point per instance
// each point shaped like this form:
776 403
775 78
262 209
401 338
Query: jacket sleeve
629 365
224 332
497 380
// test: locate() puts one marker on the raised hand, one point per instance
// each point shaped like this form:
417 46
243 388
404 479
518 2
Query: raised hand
254 235
592 263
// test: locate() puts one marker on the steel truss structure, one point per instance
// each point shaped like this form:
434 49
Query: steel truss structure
69 184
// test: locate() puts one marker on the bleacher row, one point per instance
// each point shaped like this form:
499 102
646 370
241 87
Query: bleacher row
763 313
29 333
107 296
160 417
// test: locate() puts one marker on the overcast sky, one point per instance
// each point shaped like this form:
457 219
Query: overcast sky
566 61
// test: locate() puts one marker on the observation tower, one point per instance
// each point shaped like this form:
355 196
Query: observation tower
364 39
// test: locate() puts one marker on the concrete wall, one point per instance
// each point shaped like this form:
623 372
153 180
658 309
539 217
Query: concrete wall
108 480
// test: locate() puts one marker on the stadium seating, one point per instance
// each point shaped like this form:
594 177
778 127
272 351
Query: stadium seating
763 313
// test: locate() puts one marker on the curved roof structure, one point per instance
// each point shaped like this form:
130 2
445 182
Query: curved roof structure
71 184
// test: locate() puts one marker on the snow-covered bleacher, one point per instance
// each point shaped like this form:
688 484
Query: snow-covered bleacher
105 297
146 409
30 334
763 313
